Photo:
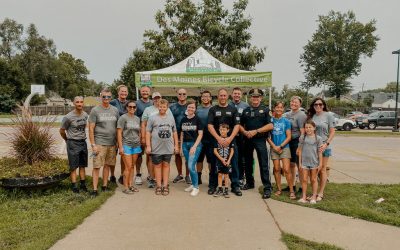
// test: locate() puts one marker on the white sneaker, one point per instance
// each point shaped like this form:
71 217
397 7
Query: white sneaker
138 180
313 202
188 189
195 192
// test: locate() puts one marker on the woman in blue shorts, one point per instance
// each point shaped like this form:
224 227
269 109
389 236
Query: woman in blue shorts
325 128
128 135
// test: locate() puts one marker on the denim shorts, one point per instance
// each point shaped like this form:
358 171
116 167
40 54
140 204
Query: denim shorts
327 152
158 159
128 150
309 168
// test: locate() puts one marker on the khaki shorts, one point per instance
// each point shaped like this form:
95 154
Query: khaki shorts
284 155
107 156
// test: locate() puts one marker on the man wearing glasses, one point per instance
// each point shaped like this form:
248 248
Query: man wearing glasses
178 109
119 103
102 135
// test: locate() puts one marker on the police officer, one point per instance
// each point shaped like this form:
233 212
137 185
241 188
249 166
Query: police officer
255 125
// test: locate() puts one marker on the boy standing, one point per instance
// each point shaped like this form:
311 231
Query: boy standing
224 156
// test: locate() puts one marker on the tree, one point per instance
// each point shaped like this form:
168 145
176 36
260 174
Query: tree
10 34
333 54
184 27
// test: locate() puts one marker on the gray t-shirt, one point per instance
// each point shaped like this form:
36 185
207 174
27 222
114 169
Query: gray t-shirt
153 110
141 106
239 106
297 119
162 129
130 130
309 150
105 120
75 125
324 122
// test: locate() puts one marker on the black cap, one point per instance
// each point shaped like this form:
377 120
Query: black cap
256 92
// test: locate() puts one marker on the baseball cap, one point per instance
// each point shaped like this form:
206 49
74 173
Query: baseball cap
156 94
256 92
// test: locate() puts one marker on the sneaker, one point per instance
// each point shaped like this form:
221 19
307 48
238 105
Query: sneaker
302 201
94 193
189 189
113 179
247 186
241 183
211 191
219 192
195 192
226 193
266 195
187 180
151 183
83 188
121 180
75 190
313 201
178 178
138 180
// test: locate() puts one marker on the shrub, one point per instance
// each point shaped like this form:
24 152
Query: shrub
32 142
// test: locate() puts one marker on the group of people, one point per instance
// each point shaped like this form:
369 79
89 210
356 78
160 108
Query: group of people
225 134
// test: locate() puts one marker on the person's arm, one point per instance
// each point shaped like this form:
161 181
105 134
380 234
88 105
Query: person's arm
176 142
181 139
63 134
300 156
196 143
288 138
232 136
231 152
148 142
119 140
273 146
214 133
143 125
91 137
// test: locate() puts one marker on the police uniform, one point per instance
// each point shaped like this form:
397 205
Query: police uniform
254 118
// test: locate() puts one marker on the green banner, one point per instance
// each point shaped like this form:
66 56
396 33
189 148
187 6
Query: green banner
199 79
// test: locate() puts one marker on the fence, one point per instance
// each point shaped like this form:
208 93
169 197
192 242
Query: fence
54 110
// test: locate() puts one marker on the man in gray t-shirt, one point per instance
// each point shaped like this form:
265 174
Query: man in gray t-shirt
72 130
102 135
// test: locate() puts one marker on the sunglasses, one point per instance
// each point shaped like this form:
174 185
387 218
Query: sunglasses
181 93
132 107
106 97
318 104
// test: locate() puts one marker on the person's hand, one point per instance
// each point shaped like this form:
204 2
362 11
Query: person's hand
176 149
247 134
226 142
323 147
319 168
227 163
297 151
143 141
121 151
192 150
277 149
220 140
148 150
252 133
95 149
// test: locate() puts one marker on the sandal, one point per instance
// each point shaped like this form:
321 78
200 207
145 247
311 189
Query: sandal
165 190
127 191
320 197
278 193
292 196
302 201
158 190
134 189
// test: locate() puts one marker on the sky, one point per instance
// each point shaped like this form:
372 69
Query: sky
104 33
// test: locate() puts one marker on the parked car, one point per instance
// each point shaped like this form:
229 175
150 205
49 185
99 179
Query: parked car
380 118
359 121
343 123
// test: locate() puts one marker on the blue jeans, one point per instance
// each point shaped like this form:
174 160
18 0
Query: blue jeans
191 161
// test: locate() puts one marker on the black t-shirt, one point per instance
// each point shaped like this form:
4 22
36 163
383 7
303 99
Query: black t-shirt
190 128
218 115
255 118
223 151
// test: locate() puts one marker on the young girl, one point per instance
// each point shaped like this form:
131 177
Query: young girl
224 157
310 159
280 151
161 143
192 132
128 136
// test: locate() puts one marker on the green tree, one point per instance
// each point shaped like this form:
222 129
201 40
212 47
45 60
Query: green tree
333 54
10 34
185 26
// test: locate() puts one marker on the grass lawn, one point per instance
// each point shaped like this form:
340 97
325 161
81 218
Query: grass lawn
6 115
368 134
294 242
36 220
358 200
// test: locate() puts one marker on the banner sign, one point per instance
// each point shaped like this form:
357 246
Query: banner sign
202 79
